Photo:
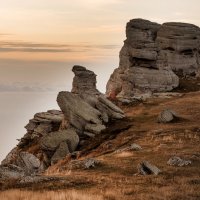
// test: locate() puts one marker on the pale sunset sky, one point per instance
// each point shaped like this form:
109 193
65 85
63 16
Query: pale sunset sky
40 41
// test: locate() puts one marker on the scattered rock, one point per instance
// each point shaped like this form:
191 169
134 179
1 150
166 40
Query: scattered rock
167 95
177 161
84 164
145 168
132 147
39 179
167 116
135 147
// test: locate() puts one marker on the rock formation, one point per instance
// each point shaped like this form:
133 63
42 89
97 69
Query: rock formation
85 109
84 81
153 58
54 134
42 124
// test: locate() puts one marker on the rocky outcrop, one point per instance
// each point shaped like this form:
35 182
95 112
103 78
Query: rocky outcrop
84 81
42 124
177 161
85 109
54 134
25 164
88 115
153 58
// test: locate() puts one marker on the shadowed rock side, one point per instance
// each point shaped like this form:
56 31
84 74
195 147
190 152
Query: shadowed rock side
153 58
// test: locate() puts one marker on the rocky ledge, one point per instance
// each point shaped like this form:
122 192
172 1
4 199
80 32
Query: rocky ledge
154 57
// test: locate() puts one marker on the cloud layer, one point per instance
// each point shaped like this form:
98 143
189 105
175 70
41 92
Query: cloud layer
17 46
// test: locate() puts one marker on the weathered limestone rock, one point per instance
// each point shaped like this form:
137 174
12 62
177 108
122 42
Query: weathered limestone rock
42 124
86 109
28 162
179 47
132 147
77 111
61 143
177 161
145 168
10 157
167 116
84 81
24 164
52 135
11 172
152 57
83 164
52 141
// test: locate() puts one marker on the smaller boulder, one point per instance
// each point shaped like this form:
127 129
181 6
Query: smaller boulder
167 116
83 164
11 172
145 168
177 161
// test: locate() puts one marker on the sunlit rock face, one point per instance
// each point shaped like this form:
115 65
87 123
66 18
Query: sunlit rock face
84 81
153 58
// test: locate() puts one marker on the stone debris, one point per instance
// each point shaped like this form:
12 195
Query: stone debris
132 147
145 168
39 179
167 95
177 161
167 116
83 164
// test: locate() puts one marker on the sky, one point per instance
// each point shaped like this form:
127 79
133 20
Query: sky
40 41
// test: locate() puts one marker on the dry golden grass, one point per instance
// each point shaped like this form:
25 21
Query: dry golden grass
48 195
116 178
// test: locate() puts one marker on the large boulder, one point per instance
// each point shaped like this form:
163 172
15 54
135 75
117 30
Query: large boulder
85 109
25 164
42 124
88 114
153 58
60 143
